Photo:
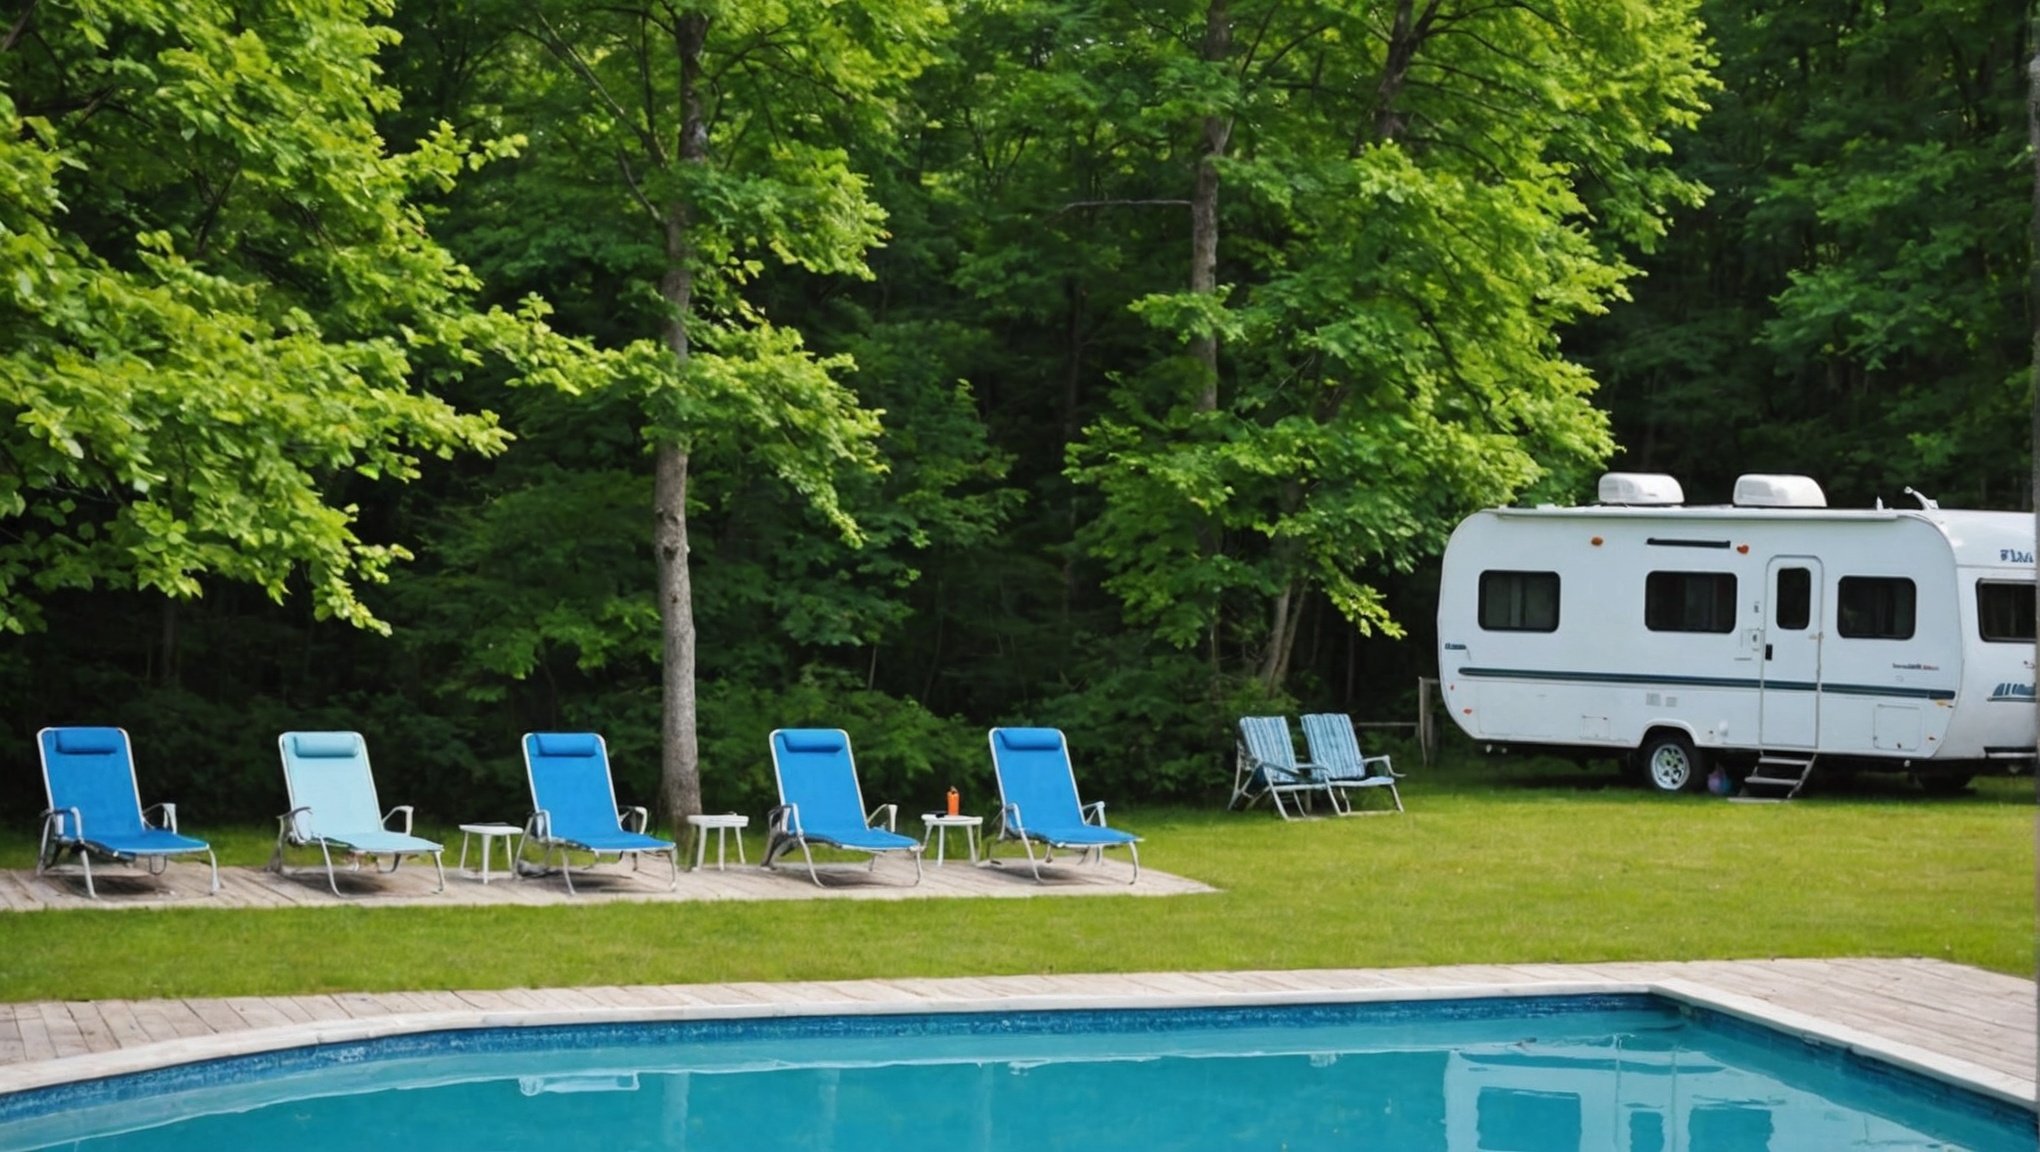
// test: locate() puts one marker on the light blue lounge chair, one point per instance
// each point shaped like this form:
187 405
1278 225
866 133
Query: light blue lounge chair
820 802
1267 766
1038 800
96 807
333 805
574 806
1336 751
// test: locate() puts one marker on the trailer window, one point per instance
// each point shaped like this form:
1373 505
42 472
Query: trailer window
1795 598
1689 602
1875 607
1519 601
2004 611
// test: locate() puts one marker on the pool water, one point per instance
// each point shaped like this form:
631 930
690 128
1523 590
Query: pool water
1562 1074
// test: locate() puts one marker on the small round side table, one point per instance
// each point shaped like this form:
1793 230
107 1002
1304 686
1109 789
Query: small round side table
938 826
722 824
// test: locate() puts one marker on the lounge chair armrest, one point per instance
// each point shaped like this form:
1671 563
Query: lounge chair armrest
784 819
288 822
54 818
539 826
634 818
1271 771
1387 767
892 817
1094 813
1009 819
406 810
168 821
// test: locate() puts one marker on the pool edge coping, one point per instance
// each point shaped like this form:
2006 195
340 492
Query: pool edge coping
1999 1086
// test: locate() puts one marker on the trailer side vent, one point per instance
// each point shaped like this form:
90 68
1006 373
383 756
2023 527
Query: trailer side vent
1649 489
1766 491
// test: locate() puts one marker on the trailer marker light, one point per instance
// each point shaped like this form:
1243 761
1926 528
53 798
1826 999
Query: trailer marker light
1743 548
1596 541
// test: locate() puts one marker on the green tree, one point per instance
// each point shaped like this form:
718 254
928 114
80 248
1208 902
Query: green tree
220 305
1850 303
698 146
1418 198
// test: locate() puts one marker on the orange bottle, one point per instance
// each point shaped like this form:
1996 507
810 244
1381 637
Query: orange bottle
955 802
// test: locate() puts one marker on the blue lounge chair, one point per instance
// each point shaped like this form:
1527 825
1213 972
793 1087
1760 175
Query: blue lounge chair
1267 766
820 802
96 807
574 806
333 805
1336 751
1038 800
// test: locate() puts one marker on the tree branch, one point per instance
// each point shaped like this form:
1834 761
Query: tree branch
559 47
20 25
1076 204
637 193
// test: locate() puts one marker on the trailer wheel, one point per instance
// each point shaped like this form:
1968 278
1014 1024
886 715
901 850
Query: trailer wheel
1670 763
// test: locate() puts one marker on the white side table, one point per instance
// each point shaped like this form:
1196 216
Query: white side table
938 826
722 824
490 833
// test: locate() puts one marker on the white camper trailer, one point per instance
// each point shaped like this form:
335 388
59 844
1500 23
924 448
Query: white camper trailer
1763 636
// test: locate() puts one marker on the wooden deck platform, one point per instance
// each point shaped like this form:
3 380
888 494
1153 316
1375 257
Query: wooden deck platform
1954 1022
183 885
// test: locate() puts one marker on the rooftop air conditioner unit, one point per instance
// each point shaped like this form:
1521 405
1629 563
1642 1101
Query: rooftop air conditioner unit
1650 489
1762 491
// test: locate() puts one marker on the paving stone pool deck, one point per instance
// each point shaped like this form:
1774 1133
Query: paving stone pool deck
1948 1021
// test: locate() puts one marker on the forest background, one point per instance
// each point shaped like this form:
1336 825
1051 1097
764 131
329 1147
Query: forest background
683 370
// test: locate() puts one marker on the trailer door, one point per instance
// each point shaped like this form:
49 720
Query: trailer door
1790 669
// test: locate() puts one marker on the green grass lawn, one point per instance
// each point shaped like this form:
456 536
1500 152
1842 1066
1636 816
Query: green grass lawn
1494 863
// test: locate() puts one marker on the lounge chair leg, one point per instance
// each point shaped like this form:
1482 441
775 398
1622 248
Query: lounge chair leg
673 862
215 862
1028 844
812 874
441 866
328 854
1134 849
85 858
566 868
915 852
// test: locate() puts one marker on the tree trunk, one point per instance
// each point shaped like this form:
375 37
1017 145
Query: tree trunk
680 758
680 747
1408 33
1217 129
1281 636
1204 203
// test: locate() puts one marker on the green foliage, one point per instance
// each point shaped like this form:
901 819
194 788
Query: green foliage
219 302
904 753
1403 257
1851 304
1142 721
951 457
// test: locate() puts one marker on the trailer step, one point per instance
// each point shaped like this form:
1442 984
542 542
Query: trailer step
1777 771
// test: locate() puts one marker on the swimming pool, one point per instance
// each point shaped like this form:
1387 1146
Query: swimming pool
1585 1073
